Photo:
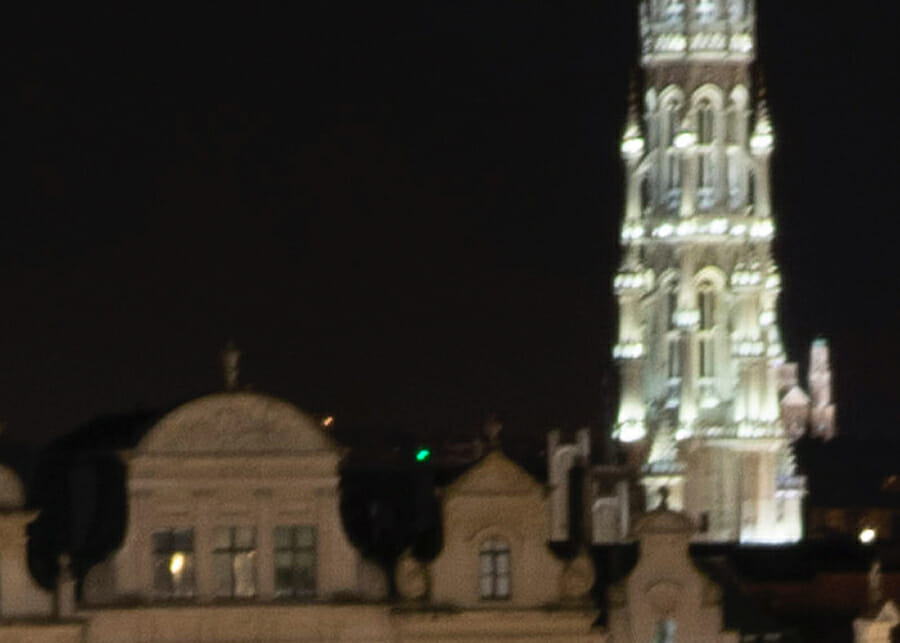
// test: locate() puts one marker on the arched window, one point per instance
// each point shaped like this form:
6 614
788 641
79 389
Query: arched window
706 302
706 162
671 162
646 195
494 570
706 124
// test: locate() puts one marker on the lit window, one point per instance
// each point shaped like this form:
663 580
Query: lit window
493 576
234 562
295 561
672 9
706 10
672 308
173 562
739 9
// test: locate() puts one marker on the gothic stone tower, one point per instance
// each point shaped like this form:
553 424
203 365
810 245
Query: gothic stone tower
699 348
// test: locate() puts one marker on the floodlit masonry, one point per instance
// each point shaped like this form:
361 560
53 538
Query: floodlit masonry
705 390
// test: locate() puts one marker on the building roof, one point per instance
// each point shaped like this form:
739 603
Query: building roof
235 422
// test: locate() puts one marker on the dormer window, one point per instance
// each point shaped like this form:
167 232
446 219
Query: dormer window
173 563
494 570
234 562
295 561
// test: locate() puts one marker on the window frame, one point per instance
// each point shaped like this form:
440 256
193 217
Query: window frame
296 550
495 551
164 543
234 552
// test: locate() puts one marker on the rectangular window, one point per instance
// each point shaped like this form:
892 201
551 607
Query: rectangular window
173 562
234 562
494 572
295 561
706 10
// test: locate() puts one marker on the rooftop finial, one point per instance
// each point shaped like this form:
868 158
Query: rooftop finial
492 428
231 365
876 590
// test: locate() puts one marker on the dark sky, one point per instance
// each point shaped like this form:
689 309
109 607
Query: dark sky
405 215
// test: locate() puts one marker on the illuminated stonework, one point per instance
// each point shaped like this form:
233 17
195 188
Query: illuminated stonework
699 347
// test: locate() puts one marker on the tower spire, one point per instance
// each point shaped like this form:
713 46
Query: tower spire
698 341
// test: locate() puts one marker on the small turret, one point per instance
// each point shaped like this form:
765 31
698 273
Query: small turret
822 410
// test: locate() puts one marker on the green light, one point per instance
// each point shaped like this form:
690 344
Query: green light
423 454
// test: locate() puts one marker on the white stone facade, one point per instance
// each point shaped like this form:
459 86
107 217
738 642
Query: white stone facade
222 489
699 347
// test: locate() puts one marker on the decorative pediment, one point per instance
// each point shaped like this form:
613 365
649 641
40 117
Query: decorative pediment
495 474
235 423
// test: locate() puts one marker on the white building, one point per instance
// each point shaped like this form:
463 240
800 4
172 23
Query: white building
699 347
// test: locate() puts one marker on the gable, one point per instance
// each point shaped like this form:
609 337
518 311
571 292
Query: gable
495 474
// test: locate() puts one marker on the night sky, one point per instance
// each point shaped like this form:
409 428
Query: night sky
404 215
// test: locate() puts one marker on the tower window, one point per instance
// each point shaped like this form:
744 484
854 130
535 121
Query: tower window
706 10
739 9
674 360
706 124
706 180
494 572
707 357
707 309
671 9
671 307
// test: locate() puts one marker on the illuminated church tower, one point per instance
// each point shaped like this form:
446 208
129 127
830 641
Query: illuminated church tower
699 349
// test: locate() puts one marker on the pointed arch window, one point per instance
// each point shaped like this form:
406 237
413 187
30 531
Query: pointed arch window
671 162
494 570
706 162
706 124
706 302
